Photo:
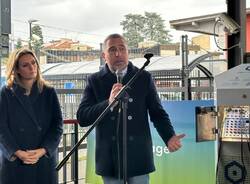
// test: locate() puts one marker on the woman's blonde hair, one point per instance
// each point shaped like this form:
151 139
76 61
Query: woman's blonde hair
12 66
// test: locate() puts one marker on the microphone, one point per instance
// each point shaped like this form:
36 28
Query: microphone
148 55
119 76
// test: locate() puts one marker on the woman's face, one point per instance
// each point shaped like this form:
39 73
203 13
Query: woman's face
27 67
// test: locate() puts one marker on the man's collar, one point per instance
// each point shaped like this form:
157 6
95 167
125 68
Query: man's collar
123 71
106 69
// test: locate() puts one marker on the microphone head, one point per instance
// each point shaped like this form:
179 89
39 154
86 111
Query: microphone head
148 55
119 76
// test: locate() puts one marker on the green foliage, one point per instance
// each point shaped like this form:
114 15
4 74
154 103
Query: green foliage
150 27
4 61
37 38
154 29
19 43
132 27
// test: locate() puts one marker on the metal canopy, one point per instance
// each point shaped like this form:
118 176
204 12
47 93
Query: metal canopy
199 24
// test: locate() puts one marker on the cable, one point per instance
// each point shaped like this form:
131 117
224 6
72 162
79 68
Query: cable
223 49
241 111
248 121
218 159
118 140
248 140
219 153
59 28
62 31
242 161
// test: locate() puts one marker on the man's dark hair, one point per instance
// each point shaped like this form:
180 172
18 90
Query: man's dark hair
114 35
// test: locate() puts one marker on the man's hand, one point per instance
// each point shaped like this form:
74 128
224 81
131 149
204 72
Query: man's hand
174 142
115 90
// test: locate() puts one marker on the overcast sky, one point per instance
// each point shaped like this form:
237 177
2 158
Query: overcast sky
91 20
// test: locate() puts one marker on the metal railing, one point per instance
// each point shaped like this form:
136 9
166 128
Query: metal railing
70 172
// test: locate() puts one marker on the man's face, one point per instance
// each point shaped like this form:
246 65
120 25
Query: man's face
116 54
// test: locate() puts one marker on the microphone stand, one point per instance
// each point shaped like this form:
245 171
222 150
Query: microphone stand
119 96
124 102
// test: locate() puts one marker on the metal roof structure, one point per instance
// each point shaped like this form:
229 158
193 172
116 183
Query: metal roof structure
166 63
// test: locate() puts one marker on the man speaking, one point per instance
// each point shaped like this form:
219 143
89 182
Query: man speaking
100 91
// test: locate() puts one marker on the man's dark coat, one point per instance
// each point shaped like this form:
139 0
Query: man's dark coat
143 99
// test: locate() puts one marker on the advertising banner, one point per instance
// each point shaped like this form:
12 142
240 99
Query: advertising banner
194 163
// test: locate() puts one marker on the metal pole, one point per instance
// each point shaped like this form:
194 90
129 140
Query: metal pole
30 29
5 30
76 177
64 154
102 62
236 9
0 45
184 54
1 61
30 22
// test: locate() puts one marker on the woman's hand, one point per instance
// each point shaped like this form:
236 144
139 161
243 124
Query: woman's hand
30 156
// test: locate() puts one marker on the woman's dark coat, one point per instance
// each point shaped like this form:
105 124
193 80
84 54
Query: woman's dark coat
28 123
143 99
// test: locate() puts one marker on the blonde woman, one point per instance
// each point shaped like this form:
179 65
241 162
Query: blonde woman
30 123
